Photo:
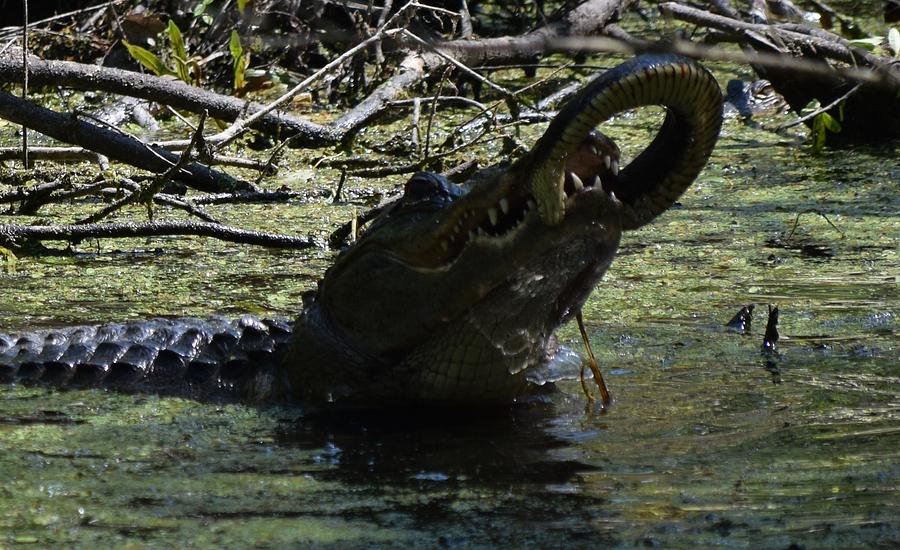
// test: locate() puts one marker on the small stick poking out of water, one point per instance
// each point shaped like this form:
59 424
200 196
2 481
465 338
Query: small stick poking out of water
605 399
771 337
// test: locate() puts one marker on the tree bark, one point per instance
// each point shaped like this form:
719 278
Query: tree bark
121 147
175 93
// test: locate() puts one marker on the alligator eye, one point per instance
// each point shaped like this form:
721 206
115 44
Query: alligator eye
428 186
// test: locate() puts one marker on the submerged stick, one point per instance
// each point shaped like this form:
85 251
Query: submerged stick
605 398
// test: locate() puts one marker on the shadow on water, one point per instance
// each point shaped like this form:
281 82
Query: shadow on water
483 476
488 447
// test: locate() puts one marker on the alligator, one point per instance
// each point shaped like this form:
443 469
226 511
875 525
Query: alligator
452 295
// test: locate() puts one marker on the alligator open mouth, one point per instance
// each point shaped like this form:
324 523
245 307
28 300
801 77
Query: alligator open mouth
596 161
594 165
573 158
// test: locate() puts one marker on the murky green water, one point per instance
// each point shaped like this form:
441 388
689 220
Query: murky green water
707 442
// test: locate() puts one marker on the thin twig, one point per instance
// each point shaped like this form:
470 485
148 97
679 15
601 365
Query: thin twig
461 66
414 124
812 211
159 181
818 111
241 124
605 398
432 113
25 80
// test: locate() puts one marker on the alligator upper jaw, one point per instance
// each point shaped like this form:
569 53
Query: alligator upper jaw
494 212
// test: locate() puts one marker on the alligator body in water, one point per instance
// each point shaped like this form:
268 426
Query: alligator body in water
452 295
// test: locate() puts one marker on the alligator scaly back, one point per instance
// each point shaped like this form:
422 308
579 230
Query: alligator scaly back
185 356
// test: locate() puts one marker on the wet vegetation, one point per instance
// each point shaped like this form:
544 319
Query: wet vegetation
709 440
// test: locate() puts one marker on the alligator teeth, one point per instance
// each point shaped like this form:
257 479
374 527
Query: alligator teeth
530 204
615 199
445 246
471 234
596 183
492 214
607 161
504 205
457 228
562 195
579 185
614 167
594 149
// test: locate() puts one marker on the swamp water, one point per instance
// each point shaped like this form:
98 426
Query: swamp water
707 441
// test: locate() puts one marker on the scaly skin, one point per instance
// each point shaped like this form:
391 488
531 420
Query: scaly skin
455 293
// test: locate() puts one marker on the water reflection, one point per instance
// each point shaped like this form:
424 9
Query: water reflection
481 477
489 447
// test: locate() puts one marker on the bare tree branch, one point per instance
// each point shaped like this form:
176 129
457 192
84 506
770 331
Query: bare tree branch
178 94
14 234
114 145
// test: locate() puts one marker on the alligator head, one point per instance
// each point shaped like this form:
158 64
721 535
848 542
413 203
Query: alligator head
456 291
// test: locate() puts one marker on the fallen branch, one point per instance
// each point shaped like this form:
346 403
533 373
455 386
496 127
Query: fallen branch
69 129
167 200
175 93
861 90
792 36
589 17
14 234
146 192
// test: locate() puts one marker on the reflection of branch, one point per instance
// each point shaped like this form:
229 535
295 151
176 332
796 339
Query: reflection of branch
74 233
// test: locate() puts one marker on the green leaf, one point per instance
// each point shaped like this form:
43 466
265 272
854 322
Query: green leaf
830 123
894 41
810 107
178 52
866 43
239 58
242 5
818 135
148 59
234 46
200 9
